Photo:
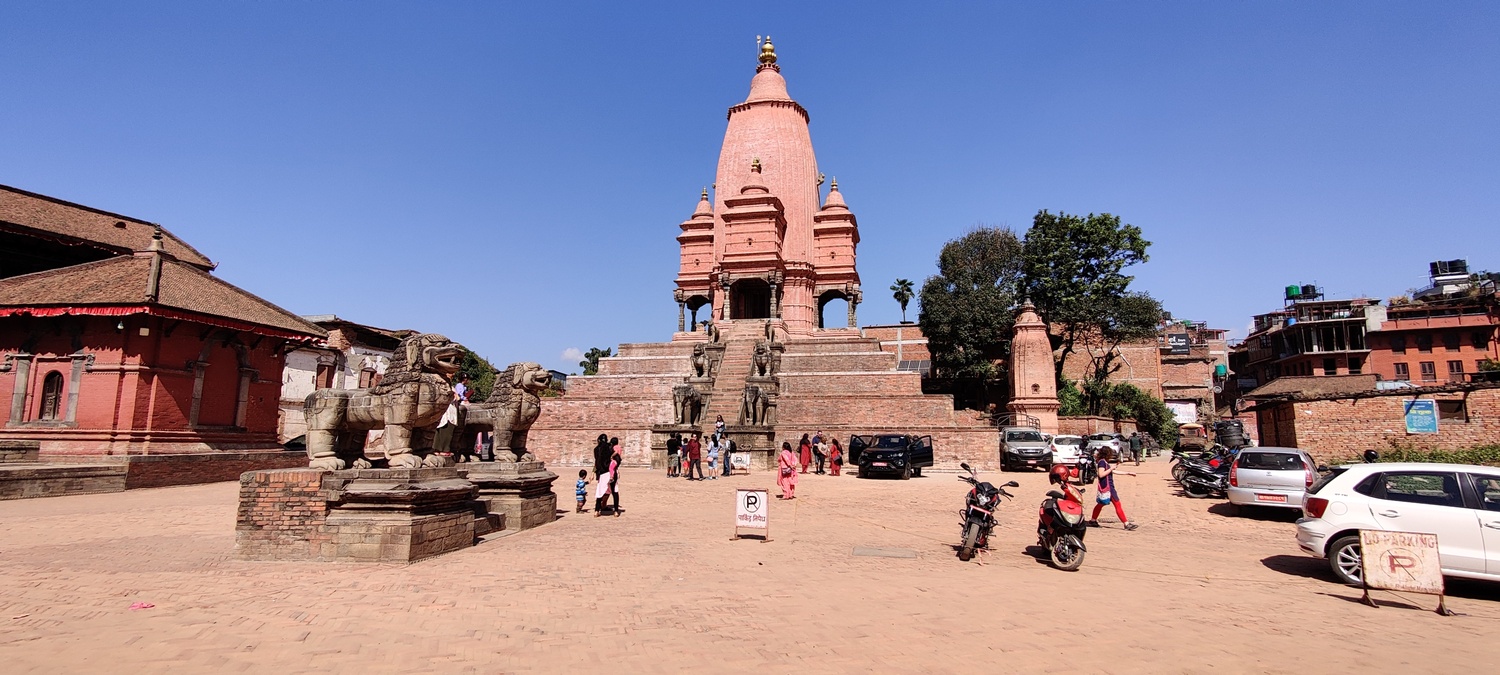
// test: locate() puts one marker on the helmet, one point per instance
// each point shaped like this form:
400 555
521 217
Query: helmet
1058 474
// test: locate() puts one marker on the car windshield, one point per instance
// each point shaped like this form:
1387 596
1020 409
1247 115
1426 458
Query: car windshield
890 442
1023 436
1067 440
1327 478
1271 461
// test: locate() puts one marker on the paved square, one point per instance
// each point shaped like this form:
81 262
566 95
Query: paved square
664 589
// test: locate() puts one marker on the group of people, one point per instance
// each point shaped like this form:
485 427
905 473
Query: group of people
815 451
607 474
686 457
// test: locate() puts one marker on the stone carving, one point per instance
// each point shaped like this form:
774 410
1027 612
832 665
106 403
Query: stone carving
755 406
713 332
760 361
408 403
770 332
509 412
700 361
687 404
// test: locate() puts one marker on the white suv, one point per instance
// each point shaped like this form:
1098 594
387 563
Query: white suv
1457 502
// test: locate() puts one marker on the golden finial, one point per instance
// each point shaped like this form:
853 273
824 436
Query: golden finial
705 192
835 184
755 165
767 51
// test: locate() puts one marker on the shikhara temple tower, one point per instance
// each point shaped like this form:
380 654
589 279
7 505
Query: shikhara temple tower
763 248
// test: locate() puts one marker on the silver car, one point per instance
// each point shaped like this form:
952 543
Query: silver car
1274 477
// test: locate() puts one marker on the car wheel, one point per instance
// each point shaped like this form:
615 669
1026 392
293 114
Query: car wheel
906 475
862 473
1344 560
1004 464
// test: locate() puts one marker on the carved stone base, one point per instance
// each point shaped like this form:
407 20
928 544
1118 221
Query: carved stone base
519 492
759 441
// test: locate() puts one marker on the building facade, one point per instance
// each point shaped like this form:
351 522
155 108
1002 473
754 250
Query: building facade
354 356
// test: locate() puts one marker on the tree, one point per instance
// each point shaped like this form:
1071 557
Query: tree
1124 401
1073 272
903 295
968 306
1127 318
481 375
590 362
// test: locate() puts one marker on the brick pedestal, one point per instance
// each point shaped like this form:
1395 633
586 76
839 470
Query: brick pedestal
520 492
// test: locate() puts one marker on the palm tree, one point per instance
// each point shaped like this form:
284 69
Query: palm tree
903 295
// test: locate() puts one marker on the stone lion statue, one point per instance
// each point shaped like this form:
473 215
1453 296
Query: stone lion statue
408 404
760 361
687 404
700 361
508 413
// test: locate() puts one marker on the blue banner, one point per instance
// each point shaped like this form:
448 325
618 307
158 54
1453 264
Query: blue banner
1421 416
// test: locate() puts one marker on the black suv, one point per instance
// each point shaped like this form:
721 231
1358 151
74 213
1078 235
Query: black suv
892 454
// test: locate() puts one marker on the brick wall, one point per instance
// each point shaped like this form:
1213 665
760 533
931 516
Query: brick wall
281 516
1339 429
1084 425
148 471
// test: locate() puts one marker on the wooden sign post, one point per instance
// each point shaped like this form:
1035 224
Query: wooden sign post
752 511
1401 561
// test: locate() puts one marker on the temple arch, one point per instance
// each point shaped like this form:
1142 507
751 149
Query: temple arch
695 303
751 299
52 394
839 302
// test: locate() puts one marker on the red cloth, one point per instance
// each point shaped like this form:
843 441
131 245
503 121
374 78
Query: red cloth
806 455
695 451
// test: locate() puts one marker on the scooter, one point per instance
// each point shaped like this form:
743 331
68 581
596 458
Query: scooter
1060 528
979 512
1199 480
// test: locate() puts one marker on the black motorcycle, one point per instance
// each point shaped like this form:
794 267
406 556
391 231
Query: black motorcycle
979 512
1201 480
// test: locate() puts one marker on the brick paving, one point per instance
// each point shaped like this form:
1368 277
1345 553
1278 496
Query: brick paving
663 589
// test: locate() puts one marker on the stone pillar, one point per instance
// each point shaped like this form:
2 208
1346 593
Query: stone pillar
728 312
81 362
198 368
22 365
681 316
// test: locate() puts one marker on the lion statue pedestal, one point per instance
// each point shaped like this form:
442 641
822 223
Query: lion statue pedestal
520 492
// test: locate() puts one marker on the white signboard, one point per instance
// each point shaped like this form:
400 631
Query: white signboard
752 510
1184 412
739 460
1401 561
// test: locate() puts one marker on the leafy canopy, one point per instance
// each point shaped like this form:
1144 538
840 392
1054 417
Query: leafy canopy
967 307
590 362
481 375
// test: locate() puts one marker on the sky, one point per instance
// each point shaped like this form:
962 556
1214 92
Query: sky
513 175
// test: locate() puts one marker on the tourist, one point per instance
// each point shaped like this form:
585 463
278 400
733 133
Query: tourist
1108 492
615 460
694 457
674 443
729 450
820 452
713 457
835 457
601 491
787 472
804 452
582 488
1135 446
442 440
719 427
601 469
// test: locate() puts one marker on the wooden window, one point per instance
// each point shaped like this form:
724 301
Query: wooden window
1429 371
1356 365
52 393
1398 344
1455 371
1451 340
1424 343
324 378
1453 409
1481 339
1402 373
1330 366
366 378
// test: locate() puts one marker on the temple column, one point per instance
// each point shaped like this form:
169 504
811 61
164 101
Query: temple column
21 363
854 297
728 311
775 281
681 316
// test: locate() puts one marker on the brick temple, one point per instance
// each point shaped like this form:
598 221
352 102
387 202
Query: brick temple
760 260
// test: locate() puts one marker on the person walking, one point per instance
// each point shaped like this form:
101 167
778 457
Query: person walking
786 475
835 457
614 475
1136 446
1107 490
674 444
804 452
694 458
602 452
713 458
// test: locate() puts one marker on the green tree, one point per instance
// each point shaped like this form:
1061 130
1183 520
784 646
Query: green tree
590 362
1073 271
481 375
1127 318
1121 401
968 306
903 294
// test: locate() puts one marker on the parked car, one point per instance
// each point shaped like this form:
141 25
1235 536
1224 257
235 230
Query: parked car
892 454
1104 440
1275 477
1023 447
1457 502
1066 449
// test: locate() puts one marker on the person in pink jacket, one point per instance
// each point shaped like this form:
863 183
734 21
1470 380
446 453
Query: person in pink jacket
787 471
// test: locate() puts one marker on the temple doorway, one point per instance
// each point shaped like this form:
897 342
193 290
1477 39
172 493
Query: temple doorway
833 310
751 299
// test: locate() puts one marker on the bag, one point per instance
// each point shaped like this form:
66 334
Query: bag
1104 497
786 471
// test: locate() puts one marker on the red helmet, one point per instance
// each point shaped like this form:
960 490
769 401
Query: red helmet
1058 474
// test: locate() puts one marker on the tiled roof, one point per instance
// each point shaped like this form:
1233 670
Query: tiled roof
122 282
1314 386
75 223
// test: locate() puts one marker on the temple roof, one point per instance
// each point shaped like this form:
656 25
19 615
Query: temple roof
835 200
124 285
64 221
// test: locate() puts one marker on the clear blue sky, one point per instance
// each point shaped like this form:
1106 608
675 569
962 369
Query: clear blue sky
512 175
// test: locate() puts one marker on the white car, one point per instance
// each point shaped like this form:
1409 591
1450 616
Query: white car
1457 502
1066 449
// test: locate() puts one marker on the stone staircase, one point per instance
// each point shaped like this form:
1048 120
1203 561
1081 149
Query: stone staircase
729 383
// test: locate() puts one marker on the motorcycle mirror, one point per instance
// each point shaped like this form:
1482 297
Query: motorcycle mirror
965 465
1012 484
1323 468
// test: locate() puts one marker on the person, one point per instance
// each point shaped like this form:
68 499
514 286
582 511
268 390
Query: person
729 449
442 440
1059 475
786 475
713 458
601 469
695 457
674 444
804 452
835 457
719 427
820 452
582 488
1136 446
601 491
1108 492
614 475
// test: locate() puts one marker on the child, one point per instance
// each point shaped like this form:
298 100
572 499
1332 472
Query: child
582 488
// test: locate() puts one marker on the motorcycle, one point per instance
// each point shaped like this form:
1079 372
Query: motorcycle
1060 528
1085 472
979 512
1200 480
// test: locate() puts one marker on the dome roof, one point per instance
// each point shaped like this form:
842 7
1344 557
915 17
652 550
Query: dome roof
768 85
835 200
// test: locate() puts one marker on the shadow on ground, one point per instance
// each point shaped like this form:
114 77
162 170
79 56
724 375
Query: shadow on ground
1309 567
